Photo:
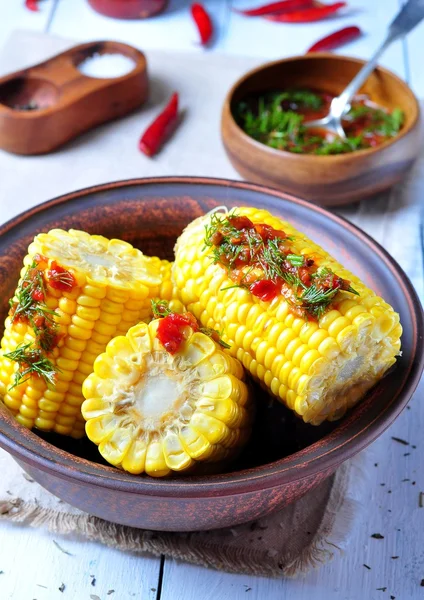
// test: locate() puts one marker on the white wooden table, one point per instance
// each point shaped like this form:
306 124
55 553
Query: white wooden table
33 567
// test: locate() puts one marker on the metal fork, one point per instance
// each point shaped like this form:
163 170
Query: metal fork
408 17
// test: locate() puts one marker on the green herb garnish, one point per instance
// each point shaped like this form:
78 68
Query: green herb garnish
160 308
275 262
31 361
270 122
28 305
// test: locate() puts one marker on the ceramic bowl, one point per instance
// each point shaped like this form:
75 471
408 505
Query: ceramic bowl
326 180
285 457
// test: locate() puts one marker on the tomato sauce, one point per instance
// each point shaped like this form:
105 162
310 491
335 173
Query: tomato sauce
170 331
261 259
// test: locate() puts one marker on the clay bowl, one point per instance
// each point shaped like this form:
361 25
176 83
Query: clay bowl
285 458
326 180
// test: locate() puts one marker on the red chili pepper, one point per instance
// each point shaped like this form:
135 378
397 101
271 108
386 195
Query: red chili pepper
161 128
32 5
336 39
308 15
203 22
275 7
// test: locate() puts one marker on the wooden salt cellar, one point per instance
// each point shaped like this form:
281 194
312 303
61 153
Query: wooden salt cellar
46 105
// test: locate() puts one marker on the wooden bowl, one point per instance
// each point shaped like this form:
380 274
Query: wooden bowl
64 101
327 180
285 457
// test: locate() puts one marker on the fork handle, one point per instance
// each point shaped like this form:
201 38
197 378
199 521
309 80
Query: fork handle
408 17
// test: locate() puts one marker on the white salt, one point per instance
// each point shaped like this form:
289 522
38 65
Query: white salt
104 66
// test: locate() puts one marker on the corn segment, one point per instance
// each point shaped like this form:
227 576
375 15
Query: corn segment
154 412
318 368
86 289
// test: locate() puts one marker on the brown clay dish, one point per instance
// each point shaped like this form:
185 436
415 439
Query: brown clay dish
326 180
67 102
286 457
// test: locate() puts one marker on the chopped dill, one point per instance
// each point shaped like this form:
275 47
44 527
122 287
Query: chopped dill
31 361
28 304
276 119
160 308
253 253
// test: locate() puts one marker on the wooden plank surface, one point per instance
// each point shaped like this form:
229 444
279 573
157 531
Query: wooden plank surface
29 557
34 564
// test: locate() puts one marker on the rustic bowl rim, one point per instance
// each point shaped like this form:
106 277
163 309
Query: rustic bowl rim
274 152
26 446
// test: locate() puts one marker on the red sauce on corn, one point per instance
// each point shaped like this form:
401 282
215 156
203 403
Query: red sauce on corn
170 331
60 279
261 259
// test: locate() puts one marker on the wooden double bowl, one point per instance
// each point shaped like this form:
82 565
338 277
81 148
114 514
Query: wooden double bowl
47 105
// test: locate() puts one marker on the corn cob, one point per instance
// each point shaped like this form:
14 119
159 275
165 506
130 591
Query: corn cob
154 412
112 284
318 368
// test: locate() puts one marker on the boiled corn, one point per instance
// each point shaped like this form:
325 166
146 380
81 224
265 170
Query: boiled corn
318 369
154 412
114 283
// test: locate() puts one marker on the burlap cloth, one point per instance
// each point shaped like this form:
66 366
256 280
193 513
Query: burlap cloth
293 540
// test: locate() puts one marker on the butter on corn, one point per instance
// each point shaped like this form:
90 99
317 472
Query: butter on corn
320 368
114 283
153 412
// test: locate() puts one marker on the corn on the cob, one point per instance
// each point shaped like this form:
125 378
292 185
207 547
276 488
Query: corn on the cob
154 412
106 289
317 368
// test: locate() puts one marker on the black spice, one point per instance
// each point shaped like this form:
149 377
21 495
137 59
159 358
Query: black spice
414 447
392 597
422 583
421 500
375 464
93 580
394 557
407 454
29 106
382 484
62 588
110 592
367 567
377 536
401 441
383 589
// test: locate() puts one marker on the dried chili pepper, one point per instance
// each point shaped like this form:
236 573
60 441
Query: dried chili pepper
203 22
32 5
336 39
275 7
307 15
161 128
